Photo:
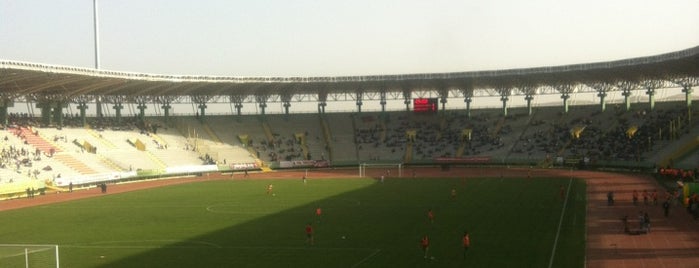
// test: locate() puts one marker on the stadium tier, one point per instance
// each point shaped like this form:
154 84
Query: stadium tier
583 138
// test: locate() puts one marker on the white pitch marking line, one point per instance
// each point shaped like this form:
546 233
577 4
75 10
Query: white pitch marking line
560 222
367 258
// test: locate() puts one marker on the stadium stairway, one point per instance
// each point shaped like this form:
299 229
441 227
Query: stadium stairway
35 140
101 139
408 152
268 131
54 189
678 149
462 148
384 129
354 131
304 147
161 164
211 133
74 163
498 127
327 135
160 140
265 168
442 127
564 147
111 163
521 134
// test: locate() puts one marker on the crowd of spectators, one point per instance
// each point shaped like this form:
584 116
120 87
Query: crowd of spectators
601 137
434 135
20 160
374 139
278 149
585 137
630 138
624 136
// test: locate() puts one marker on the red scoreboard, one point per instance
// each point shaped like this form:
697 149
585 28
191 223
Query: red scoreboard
425 105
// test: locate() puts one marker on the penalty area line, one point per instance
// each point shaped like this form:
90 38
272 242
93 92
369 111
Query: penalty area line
366 258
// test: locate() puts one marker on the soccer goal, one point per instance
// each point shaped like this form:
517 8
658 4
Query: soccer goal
376 170
29 256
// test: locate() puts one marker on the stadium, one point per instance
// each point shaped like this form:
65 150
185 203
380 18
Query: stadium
64 152
554 166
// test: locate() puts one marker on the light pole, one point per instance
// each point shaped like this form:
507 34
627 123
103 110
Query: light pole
97 36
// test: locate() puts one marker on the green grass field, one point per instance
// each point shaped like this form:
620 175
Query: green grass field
512 223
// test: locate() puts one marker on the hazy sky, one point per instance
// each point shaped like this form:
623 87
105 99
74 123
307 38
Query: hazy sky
328 38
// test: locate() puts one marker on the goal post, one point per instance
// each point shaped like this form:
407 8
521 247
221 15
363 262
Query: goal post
376 170
29 256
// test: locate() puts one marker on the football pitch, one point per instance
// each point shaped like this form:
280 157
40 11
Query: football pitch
364 223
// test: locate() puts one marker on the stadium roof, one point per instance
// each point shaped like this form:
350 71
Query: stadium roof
69 83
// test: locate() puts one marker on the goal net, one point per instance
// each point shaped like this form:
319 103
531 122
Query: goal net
29 256
377 170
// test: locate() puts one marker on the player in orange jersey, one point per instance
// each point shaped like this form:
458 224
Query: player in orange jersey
466 241
425 245
319 213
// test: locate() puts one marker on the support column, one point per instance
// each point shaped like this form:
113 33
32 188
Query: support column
651 98
286 105
322 101
443 92
529 99
262 106
407 98
3 115
504 100
602 87
321 107
603 104
651 86
117 110
201 101
565 97
202 110
505 93
166 111
468 101
626 88
98 105
627 100
142 110
382 95
5 103
285 97
46 109
237 101
58 113
261 100
82 106
687 90
360 96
